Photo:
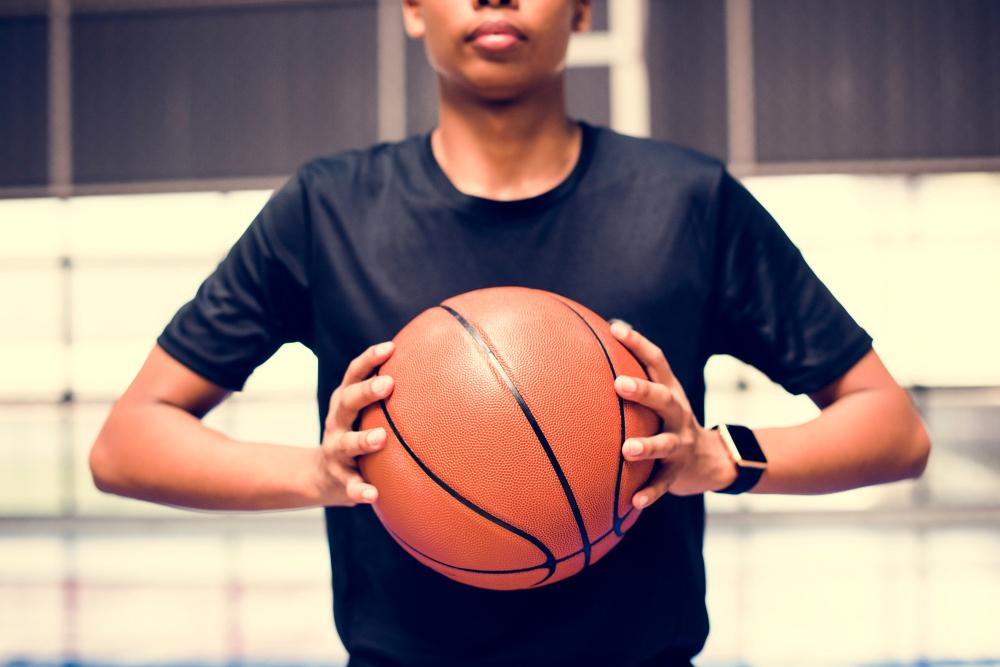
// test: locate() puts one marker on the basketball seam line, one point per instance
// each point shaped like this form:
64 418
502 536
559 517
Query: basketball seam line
550 558
616 521
514 571
553 461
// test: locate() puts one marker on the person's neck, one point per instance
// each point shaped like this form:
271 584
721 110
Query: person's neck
505 151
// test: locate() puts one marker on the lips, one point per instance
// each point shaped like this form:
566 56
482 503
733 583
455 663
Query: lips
499 28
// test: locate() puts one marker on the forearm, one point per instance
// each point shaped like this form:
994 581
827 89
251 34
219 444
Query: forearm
866 437
157 452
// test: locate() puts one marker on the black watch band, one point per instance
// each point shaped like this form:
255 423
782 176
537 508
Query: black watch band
747 455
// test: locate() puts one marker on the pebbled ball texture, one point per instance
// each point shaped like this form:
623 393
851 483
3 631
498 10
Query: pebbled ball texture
503 465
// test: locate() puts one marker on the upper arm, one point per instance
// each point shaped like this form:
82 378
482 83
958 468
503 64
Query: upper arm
163 379
868 373
768 307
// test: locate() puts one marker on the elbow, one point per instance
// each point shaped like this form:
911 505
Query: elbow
919 450
101 463
108 460
105 459
911 443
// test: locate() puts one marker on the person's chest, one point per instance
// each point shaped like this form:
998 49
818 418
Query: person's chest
377 267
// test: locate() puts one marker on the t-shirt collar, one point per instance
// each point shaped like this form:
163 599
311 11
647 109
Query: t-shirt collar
507 210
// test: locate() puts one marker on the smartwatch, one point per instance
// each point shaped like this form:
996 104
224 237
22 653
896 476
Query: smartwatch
747 455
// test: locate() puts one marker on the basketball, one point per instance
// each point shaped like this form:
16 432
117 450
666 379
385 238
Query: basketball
503 465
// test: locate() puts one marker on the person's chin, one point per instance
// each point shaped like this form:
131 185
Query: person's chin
500 94
501 88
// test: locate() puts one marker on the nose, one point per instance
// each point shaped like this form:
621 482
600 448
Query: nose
495 3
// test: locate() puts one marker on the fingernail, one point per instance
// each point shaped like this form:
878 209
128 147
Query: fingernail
625 384
381 384
633 447
369 494
641 501
375 436
383 348
619 329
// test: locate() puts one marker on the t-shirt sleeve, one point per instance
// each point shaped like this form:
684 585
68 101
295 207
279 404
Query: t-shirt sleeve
254 301
768 307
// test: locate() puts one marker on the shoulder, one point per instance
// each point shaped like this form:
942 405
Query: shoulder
645 161
358 171
674 182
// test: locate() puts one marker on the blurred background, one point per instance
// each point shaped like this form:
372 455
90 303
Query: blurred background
138 138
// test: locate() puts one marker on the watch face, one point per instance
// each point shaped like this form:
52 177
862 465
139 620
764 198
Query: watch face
747 454
743 446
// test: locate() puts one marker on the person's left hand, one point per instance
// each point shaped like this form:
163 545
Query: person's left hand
689 459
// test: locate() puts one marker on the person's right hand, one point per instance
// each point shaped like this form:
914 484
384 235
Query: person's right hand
342 483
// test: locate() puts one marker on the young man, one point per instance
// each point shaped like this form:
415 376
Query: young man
508 191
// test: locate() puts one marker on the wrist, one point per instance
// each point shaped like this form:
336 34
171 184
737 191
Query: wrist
320 485
723 466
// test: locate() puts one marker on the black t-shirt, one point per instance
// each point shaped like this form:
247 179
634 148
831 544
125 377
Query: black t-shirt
356 244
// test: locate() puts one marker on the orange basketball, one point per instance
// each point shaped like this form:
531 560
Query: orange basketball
503 466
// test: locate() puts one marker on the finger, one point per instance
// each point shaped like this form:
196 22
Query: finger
657 487
354 397
363 364
659 398
358 490
647 352
659 446
356 443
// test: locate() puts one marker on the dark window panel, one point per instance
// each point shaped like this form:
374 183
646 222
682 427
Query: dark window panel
599 15
588 94
24 96
220 93
12 8
686 55
892 79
